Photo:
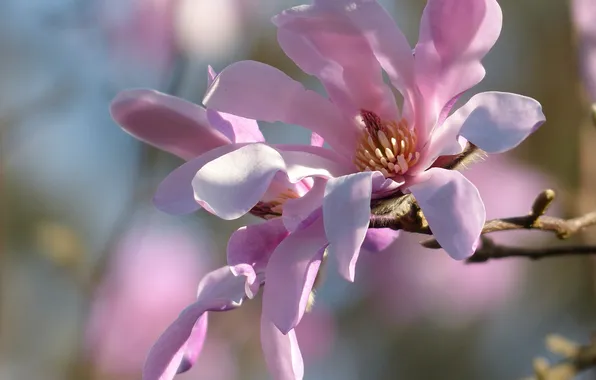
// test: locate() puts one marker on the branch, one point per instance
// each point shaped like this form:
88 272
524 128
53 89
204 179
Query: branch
403 213
576 359
535 220
491 251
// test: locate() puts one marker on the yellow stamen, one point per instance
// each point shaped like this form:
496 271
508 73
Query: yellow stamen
388 147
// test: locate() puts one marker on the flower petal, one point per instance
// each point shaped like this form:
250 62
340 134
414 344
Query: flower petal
291 273
316 140
454 36
346 210
181 343
282 353
194 345
453 208
258 91
254 244
497 121
379 239
174 194
297 210
322 39
166 122
231 185
235 128
253 279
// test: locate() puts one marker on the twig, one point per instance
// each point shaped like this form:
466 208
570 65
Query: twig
535 220
491 251
403 213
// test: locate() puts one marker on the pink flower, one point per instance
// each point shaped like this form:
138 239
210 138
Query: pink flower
419 282
150 279
584 14
376 150
192 132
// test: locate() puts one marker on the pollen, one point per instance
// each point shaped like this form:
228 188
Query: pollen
386 146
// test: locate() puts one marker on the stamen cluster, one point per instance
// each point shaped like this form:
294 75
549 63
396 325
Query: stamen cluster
386 146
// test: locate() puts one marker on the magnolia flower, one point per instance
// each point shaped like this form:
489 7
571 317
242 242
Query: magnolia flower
376 150
192 132
584 14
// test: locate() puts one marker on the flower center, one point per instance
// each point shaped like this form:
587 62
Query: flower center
273 208
386 146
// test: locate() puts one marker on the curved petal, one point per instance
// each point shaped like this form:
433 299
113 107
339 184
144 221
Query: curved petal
180 344
231 185
174 194
282 353
497 121
386 41
346 210
379 239
235 128
194 345
291 273
166 122
254 280
453 208
297 210
322 39
211 74
258 91
254 244
454 37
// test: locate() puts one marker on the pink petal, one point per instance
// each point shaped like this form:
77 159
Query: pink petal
257 91
322 39
316 140
194 345
297 210
379 239
166 122
231 185
211 74
235 128
346 210
219 290
453 208
254 244
454 37
291 273
254 280
496 121
282 353
174 194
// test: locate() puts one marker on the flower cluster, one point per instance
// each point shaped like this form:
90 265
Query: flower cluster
315 200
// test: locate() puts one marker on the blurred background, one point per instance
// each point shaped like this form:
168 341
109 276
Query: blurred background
91 273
